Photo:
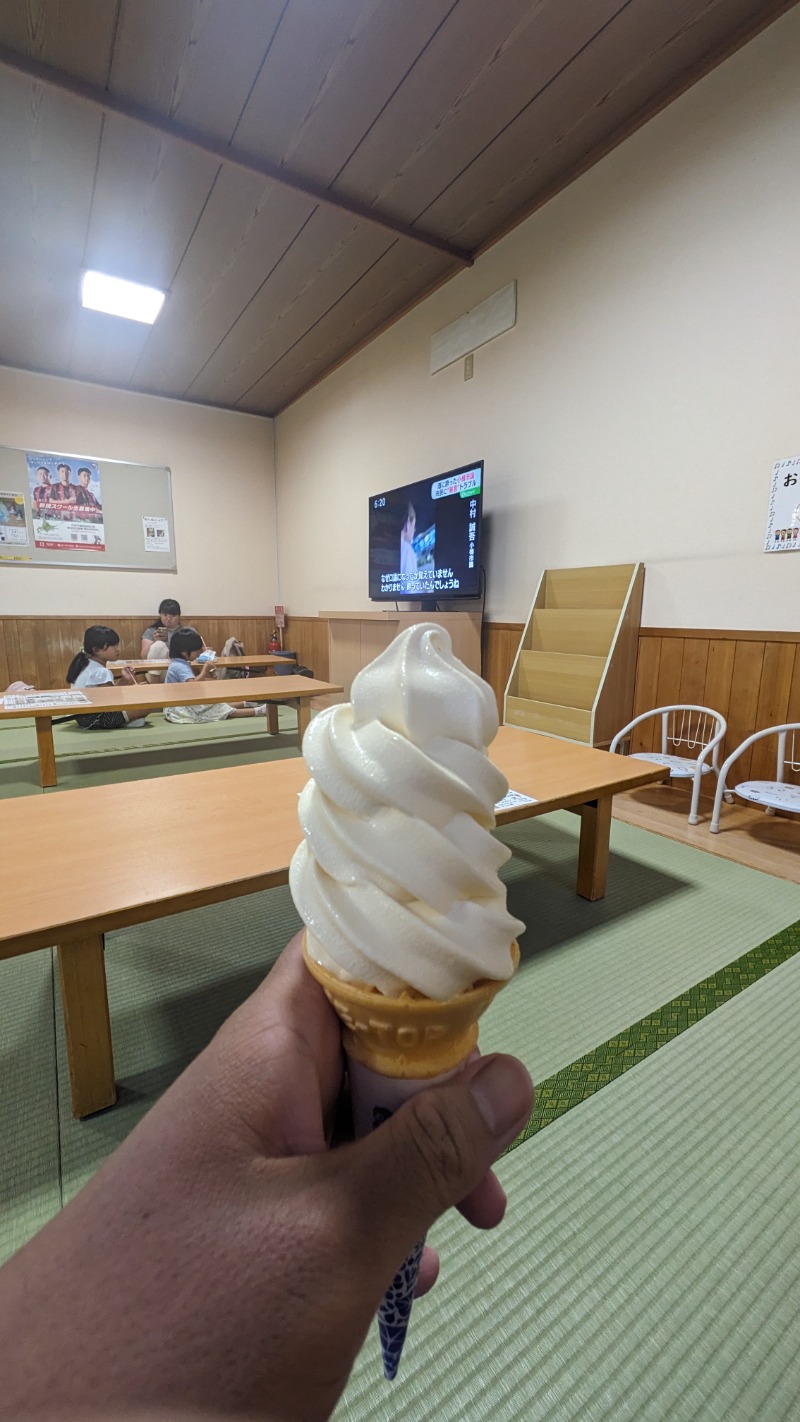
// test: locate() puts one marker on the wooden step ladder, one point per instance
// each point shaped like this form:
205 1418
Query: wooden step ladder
574 672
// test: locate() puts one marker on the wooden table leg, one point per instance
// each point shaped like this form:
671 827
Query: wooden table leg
46 749
303 719
593 848
272 717
82 969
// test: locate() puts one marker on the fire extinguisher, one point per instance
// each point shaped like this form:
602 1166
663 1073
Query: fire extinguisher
274 641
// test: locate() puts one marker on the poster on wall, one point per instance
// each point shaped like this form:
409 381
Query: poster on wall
156 534
13 520
66 502
783 518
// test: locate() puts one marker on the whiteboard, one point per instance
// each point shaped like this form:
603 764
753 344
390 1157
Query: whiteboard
100 513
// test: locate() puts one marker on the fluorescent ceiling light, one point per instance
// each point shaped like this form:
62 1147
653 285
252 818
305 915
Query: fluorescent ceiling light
121 298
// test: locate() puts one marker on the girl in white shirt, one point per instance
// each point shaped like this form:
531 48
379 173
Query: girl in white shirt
88 668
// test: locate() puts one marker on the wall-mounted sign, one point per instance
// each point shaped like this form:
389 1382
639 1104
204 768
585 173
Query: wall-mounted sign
156 534
783 518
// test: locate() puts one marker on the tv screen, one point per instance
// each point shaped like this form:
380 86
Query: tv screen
424 538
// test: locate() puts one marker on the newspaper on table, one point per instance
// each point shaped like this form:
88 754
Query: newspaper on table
37 700
513 800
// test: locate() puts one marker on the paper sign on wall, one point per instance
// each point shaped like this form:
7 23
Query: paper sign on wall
13 519
156 534
783 518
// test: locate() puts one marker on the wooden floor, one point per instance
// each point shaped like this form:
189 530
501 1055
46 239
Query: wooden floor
770 843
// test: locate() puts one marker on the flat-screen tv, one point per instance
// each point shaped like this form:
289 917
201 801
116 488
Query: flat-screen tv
425 537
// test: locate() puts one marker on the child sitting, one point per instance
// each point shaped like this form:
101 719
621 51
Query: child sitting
184 648
88 668
157 637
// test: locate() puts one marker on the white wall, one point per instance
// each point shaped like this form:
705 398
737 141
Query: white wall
223 495
637 407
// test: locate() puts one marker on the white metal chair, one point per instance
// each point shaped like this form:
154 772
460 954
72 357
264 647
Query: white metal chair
698 729
773 794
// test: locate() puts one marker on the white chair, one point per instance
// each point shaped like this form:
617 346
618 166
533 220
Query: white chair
774 794
698 729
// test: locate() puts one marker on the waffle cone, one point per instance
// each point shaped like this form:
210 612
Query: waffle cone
410 1036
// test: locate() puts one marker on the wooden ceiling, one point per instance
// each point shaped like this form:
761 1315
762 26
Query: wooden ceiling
298 173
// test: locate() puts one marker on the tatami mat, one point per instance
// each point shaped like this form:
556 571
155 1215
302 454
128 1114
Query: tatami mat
18 738
85 758
30 1166
171 984
649 1266
671 916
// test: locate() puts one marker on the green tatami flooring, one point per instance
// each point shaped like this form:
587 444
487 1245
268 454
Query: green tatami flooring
648 1269
138 753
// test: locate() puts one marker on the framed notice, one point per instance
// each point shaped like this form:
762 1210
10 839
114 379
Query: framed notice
783 516
14 532
82 511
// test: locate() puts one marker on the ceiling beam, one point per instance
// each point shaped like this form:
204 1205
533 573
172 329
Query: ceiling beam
240 158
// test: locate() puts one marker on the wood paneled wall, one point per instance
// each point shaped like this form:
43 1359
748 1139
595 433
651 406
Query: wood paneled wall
499 643
39 649
753 678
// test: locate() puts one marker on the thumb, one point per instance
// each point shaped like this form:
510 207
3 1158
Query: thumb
437 1148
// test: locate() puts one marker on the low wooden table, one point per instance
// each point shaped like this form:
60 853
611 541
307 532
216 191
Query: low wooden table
138 700
263 660
145 849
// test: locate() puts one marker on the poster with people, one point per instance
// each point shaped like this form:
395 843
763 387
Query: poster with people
783 517
66 502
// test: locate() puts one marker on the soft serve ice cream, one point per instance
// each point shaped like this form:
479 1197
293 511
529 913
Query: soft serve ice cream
396 879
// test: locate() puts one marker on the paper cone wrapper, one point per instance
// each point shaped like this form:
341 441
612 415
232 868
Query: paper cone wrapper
396 1047
409 1036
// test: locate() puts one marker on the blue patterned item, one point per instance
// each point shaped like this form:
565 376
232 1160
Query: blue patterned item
375 1098
395 1311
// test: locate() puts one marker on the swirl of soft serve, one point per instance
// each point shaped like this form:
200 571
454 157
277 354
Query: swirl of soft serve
396 879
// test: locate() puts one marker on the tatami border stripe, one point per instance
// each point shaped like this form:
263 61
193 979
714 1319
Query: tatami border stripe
590 1073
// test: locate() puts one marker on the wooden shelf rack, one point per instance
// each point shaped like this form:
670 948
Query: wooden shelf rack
575 669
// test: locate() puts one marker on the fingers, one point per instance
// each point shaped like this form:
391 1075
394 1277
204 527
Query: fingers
485 1206
428 1271
276 1064
436 1151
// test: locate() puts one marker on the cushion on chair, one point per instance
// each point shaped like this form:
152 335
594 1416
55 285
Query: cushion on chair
679 766
771 792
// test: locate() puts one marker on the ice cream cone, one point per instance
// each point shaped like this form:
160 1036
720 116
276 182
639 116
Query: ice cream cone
410 1037
396 1047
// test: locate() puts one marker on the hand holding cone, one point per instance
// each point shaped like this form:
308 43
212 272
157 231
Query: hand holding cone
397 1047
